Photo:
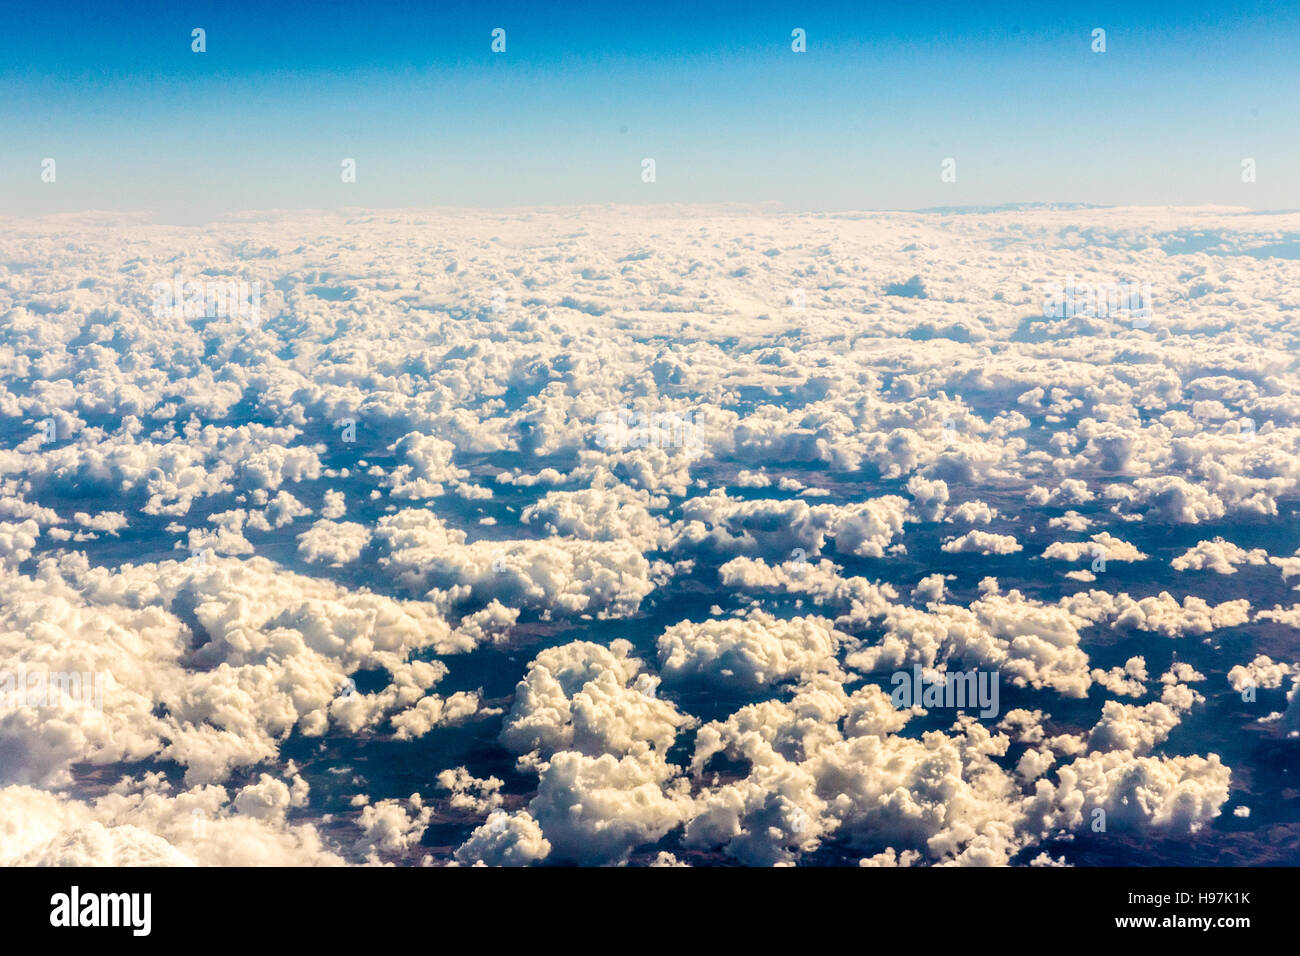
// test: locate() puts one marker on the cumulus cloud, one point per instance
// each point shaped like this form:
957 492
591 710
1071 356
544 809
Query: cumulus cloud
296 534
755 651
1263 672
505 839
982 542
1219 556
333 542
591 699
1127 681
1104 546
560 575
1162 613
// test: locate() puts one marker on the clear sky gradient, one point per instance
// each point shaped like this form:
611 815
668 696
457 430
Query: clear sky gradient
585 91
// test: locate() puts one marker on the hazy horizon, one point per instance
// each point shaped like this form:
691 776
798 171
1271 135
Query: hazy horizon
566 114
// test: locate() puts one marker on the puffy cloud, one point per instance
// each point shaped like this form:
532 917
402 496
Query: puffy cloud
929 498
599 809
469 793
751 652
1173 499
1290 566
389 828
1071 491
1162 613
1137 728
890 857
1070 521
148 826
561 575
435 711
277 650
1031 644
451 432
334 505
591 699
283 510
982 542
1262 672
929 589
864 600
1182 793
973 512
505 839
109 521
774 529
599 514
18 540
333 542
1219 556
1103 545
428 466
1126 681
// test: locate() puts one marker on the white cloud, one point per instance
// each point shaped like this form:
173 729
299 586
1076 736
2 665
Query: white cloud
1102 545
1219 556
751 652
982 542
333 542
454 442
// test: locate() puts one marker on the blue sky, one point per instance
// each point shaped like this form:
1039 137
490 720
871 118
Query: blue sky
585 91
